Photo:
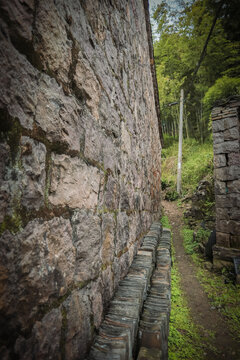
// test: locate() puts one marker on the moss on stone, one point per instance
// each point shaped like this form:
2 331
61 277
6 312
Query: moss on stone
12 223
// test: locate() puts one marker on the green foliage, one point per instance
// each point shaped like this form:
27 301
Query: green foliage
184 342
197 163
190 244
222 88
182 36
165 222
191 239
171 195
223 295
202 235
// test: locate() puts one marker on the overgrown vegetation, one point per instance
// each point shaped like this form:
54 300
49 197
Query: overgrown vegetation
184 342
192 239
197 163
220 289
183 30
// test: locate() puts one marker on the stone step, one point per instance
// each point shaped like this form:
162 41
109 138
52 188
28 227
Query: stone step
117 337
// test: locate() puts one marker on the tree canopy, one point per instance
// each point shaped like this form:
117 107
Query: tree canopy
181 61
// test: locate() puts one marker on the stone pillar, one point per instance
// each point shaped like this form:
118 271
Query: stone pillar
226 136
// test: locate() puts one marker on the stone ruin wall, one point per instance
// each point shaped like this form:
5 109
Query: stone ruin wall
79 167
226 139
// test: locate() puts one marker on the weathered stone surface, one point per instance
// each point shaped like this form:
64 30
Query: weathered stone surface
45 338
45 269
222 214
234 186
108 238
82 129
18 92
234 213
87 242
226 147
78 335
230 122
58 115
235 241
220 161
122 232
218 138
73 183
227 173
21 17
4 190
52 46
87 84
231 134
34 174
218 125
234 159
221 187
222 239
112 193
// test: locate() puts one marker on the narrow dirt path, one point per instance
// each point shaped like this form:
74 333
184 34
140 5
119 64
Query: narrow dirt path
202 313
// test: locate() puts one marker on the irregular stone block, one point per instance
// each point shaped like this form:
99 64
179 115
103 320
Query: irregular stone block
222 239
218 125
73 183
234 213
34 173
220 160
44 341
231 122
108 237
226 147
223 226
78 332
20 17
235 241
87 241
18 80
227 173
86 82
223 201
222 214
234 159
218 138
53 46
59 116
231 134
234 186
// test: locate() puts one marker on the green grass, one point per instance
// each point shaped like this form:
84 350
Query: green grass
165 222
197 163
223 296
191 242
184 341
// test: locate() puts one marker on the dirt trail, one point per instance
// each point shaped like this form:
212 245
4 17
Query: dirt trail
200 308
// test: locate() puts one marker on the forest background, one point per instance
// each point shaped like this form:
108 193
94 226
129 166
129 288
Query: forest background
180 34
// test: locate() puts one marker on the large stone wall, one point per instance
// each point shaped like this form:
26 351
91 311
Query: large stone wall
226 140
79 167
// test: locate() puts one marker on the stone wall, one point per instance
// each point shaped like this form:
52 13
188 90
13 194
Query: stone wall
226 139
79 167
